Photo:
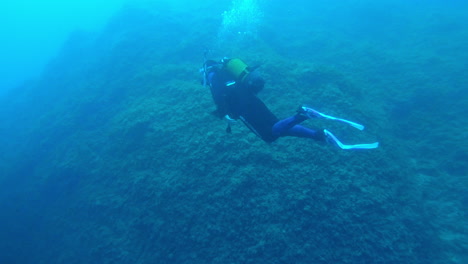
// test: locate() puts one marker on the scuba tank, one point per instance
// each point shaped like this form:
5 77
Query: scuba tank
237 68
244 75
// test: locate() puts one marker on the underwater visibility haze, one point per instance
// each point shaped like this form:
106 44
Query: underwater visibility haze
33 32
112 155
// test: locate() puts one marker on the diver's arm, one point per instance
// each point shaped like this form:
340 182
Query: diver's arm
221 105
219 94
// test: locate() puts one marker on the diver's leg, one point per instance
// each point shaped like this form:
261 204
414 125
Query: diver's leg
284 125
302 131
290 127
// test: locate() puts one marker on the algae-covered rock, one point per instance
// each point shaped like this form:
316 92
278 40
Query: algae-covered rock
113 155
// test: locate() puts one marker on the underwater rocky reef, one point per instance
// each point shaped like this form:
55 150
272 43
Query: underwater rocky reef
113 155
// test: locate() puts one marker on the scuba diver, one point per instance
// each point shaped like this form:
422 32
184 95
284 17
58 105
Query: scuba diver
234 87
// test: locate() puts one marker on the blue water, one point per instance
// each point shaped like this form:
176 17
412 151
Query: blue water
109 153
34 31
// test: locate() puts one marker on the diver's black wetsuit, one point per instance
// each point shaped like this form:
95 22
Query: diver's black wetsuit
238 102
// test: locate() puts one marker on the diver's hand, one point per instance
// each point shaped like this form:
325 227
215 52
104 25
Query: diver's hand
229 120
